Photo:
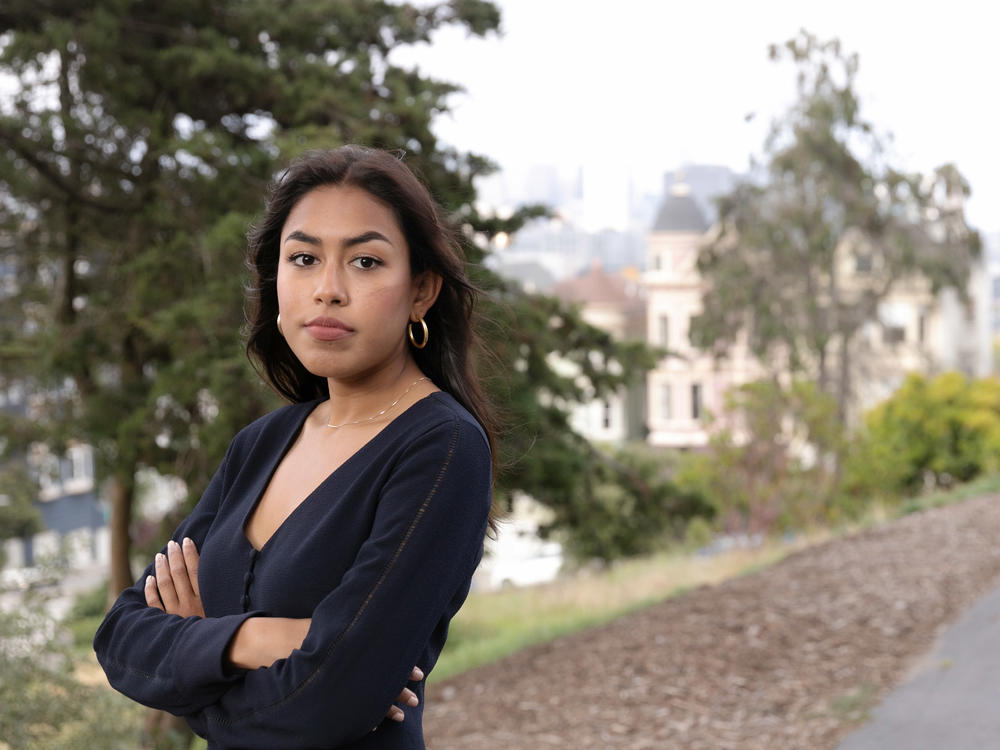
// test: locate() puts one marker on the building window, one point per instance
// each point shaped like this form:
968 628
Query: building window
80 462
49 475
666 410
922 326
863 263
606 414
656 261
696 401
893 334
664 331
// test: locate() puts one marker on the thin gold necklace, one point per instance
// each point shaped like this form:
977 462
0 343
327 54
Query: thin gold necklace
372 419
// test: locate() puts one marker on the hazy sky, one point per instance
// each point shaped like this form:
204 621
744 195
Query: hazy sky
638 87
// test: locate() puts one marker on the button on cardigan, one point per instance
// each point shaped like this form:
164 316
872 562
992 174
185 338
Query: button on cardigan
380 555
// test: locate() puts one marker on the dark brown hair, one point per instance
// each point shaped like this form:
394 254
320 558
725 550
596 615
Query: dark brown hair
447 358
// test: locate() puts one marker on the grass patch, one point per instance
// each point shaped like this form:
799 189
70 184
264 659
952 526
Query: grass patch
854 706
985 485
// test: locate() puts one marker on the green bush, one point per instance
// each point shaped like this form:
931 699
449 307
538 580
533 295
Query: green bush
92 603
771 458
42 704
929 434
627 506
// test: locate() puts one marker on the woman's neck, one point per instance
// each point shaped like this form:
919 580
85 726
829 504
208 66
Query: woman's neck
372 398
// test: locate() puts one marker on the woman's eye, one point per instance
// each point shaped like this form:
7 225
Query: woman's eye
302 259
366 262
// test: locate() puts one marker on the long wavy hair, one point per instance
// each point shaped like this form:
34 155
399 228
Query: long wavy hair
448 357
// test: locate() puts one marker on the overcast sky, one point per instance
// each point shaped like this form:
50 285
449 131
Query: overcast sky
639 87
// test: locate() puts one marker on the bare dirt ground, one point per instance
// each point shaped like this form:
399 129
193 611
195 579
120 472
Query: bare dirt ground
787 658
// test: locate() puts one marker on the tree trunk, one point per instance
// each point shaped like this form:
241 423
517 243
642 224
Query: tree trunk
122 495
844 378
843 395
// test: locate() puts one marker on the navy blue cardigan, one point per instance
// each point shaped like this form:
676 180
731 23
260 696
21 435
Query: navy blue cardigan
380 555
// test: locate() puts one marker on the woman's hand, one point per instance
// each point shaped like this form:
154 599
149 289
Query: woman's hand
407 697
259 641
174 588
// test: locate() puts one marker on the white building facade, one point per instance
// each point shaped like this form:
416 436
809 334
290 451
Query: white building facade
916 331
687 384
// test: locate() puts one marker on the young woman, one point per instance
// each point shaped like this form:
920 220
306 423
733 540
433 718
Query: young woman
340 534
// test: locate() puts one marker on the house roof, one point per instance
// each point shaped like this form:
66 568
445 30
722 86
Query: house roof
680 212
597 286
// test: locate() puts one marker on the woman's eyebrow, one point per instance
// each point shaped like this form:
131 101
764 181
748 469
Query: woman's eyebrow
365 237
360 239
303 237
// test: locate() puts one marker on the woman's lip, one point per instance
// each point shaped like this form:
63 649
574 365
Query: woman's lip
326 332
328 323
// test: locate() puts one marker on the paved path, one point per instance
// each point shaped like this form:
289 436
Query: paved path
951 701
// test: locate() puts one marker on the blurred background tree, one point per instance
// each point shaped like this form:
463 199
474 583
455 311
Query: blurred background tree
18 515
806 251
766 466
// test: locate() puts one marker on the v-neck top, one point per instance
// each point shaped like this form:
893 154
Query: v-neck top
380 555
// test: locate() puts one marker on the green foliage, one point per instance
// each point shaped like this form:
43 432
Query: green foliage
90 603
44 707
626 505
698 533
18 515
782 267
768 464
930 433
540 454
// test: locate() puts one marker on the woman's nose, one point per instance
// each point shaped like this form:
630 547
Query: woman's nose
331 287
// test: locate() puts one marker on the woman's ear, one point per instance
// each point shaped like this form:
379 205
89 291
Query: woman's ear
426 287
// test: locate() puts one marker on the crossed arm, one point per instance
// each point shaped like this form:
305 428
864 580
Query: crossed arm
259 641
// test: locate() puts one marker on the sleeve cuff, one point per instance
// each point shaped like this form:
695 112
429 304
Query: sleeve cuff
200 662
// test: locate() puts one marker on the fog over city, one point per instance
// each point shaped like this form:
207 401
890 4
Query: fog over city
617 95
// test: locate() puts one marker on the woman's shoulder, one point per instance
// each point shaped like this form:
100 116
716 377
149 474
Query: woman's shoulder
441 410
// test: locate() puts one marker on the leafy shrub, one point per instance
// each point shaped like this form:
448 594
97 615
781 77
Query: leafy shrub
626 506
930 433
770 462
42 704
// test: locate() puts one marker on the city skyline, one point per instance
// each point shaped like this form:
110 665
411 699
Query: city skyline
658 85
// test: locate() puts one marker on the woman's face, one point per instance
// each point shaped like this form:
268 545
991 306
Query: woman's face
345 291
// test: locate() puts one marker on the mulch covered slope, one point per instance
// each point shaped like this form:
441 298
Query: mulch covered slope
786 658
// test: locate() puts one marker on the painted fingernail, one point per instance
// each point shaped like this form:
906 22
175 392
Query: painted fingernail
160 558
150 580
172 545
187 542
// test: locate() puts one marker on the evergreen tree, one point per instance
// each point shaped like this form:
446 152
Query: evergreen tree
18 515
136 147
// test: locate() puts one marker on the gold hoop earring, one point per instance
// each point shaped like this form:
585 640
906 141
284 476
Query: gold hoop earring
278 321
413 340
